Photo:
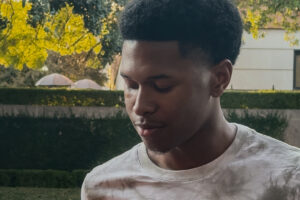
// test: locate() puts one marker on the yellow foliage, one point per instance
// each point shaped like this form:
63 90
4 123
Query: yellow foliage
94 62
63 32
112 72
98 48
291 38
111 18
66 33
253 18
110 82
18 43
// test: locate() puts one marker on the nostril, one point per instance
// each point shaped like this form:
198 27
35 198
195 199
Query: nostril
143 102
143 108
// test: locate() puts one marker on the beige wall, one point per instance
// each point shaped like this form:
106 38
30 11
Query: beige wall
265 63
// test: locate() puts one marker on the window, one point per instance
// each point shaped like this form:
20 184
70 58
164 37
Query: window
297 70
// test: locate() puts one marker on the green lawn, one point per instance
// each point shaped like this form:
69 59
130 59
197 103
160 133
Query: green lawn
23 193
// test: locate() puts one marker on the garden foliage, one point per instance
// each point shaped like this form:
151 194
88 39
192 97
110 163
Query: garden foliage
41 178
272 124
66 97
60 97
28 145
28 31
67 144
77 143
265 99
62 143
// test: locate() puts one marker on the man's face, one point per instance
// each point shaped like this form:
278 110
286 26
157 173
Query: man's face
167 96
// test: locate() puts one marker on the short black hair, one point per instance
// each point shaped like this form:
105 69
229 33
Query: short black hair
213 26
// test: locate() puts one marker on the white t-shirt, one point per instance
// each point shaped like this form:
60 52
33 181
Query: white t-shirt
254 167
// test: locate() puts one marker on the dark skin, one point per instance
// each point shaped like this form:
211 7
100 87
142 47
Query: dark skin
174 103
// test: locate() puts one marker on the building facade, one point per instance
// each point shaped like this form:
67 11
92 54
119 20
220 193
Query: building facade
267 63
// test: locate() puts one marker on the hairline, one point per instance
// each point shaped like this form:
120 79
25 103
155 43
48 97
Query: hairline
186 51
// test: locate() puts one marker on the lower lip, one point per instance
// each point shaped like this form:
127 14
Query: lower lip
148 132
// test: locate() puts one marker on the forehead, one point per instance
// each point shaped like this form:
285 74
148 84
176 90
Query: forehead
147 57
152 51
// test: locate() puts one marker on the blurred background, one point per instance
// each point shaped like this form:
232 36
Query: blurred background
61 100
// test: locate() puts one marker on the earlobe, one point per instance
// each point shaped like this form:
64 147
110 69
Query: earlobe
221 75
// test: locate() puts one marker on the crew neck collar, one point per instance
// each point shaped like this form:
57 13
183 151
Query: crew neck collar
197 173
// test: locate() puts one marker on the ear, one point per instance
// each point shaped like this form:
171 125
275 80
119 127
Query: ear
221 75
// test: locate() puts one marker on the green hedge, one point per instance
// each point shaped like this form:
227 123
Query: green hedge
34 193
41 178
60 97
76 143
61 143
44 143
261 99
272 124
66 97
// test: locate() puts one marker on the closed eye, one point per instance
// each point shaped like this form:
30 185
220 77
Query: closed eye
162 89
131 84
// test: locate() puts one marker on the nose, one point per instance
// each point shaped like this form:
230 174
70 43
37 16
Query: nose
144 103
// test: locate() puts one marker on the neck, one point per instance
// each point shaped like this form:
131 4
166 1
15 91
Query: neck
208 143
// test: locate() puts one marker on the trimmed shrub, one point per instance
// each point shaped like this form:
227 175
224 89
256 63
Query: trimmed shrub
76 143
261 99
41 178
62 143
272 124
66 97
60 97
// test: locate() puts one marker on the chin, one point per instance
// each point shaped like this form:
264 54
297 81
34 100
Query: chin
157 148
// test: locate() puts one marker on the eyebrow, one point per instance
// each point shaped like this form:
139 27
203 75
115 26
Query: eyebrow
155 77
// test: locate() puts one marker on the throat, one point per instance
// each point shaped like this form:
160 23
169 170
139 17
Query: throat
197 152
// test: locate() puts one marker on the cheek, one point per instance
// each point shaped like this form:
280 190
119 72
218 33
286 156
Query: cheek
186 108
129 101
173 106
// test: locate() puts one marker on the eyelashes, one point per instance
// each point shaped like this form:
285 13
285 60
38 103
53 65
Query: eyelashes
162 89
132 85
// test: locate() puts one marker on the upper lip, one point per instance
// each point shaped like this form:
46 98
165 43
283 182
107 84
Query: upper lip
149 125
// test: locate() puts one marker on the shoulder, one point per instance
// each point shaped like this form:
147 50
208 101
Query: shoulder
268 154
255 141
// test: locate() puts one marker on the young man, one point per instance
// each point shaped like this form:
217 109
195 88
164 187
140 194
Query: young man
176 62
